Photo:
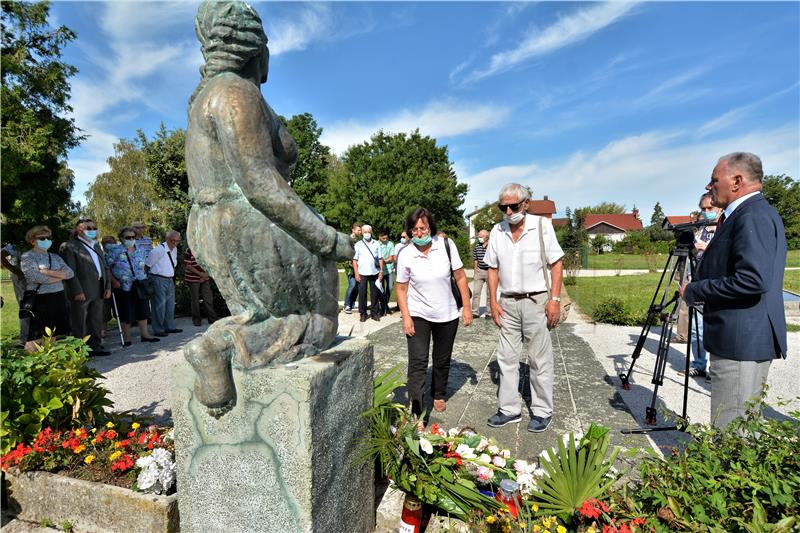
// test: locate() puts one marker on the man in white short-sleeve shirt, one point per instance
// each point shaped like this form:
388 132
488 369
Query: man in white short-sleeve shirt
524 312
368 270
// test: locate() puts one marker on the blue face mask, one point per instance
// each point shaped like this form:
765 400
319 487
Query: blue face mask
403 240
91 234
45 244
421 241
129 243
710 215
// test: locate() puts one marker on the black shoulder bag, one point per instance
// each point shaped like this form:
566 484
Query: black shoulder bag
144 287
28 301
453 284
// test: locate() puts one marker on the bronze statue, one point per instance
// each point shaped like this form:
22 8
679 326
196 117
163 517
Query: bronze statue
272 257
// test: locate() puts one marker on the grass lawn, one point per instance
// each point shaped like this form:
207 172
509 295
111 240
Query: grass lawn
613 261
791 280
636 292
9 323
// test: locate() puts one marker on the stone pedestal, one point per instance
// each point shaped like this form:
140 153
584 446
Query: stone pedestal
286 457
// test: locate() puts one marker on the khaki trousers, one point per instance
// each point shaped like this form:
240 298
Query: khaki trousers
524 329
480 278
734 383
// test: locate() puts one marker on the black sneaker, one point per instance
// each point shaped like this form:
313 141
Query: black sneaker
697 373
363 318
174 331
499 420
539 423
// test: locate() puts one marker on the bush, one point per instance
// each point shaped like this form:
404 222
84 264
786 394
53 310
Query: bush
745 477
50 387
612 311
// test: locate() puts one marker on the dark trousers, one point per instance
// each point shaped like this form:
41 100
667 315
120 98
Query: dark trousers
87 318
196 292
351 294
373 295
444 334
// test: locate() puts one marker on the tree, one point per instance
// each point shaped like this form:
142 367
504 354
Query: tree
655 230
383 179
658 216
783 193
166 167
126 193
311 173
488 216
36 130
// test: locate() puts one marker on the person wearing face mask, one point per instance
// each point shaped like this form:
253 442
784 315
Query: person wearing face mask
45 273
524 260
351 293
428 305
480 272
386 250
126 263
90 285
368 270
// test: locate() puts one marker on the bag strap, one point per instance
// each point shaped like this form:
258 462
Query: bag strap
171 262
128 257
447 249
90 248
544 258
369 250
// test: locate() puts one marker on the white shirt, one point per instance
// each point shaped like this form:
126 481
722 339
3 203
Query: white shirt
89 245
736 203
428 277
365 255
519 264
397 248
159 262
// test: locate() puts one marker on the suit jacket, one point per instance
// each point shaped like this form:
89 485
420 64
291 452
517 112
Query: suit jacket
740 280
79 258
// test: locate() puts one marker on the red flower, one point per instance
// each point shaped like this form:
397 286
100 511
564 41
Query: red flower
142 438
454 455
638 522
131 434
591 509
125 462
610 529
14 456
111 434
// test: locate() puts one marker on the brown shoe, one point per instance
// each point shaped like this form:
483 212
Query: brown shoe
439 406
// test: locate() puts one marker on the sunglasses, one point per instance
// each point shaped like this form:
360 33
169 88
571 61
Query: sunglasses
514 207
43 238
88 228
129 236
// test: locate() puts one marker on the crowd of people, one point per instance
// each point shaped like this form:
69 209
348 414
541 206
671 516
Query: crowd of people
77 290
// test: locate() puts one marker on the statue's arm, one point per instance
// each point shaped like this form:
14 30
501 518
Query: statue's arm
244 130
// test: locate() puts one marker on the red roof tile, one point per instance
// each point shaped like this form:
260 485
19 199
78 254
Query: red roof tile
625 222
541 207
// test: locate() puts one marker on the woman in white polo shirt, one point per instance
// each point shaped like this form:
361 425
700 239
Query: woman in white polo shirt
429 309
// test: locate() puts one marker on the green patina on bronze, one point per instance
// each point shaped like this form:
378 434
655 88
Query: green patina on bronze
272 257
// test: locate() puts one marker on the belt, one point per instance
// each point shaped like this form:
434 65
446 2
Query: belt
160 276
521 296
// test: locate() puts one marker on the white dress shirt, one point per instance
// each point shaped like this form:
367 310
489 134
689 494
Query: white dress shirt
159 262
519 264
365 255
89 245
429 291
736 203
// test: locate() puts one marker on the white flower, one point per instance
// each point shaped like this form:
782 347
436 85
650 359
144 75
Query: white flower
505 453
482 445
493 450
158 472
484 458
453 432
498 461
520 466
426 446
526 483
465 451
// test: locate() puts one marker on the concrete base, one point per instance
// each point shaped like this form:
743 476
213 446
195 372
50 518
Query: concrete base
42 497
286 457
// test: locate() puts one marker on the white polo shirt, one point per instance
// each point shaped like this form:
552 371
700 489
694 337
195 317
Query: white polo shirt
428 278
519 264
160 263
365 255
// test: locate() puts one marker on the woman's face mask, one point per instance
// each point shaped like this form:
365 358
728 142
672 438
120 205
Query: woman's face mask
710 215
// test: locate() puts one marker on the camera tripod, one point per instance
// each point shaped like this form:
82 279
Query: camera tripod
664 309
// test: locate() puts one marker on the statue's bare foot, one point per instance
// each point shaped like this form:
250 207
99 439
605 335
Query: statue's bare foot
210 356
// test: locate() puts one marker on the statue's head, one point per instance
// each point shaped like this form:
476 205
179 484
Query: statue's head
232 38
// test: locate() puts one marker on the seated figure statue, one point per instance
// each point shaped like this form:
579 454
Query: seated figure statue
272 257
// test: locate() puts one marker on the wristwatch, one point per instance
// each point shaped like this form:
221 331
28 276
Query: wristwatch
556 298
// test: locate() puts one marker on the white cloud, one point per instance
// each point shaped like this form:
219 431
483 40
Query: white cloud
667 167
313 22
567 30
437 119
731 117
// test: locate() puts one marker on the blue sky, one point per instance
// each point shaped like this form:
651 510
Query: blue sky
585 102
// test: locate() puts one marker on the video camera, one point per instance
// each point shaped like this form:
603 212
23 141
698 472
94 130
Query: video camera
684 233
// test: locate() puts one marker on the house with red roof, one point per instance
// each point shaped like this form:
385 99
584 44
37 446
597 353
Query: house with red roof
612 227
544 208
674 220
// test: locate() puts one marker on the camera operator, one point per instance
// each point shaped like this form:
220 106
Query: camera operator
739 281
708 213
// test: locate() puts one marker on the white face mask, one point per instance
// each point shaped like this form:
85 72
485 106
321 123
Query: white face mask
516 218
368 236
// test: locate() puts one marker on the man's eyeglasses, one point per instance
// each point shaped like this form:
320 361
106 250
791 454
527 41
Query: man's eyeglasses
514 207
89 228
43 238
129 236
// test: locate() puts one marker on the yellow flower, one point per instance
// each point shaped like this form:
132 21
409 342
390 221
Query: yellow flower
89 458
561 529
523 525
537 528
506 529
114 455
110 425
491 519
93 441
591 530
94 430
535 507
78 449
135 425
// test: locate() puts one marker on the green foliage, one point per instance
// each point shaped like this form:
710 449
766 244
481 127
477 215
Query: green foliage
783 193
745 477
127 192
310 175
576 473
166 166
488 216
36 131
600 243
612 311
50 387
383 180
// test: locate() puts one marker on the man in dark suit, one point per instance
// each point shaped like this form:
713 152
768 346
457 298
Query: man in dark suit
90 285
740 283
